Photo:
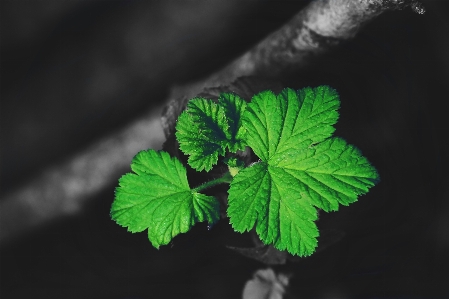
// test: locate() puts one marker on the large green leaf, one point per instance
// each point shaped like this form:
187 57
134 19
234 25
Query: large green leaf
277 195
292 120
264 197
158 198
332 173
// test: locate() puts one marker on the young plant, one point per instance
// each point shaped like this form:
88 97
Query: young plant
300 168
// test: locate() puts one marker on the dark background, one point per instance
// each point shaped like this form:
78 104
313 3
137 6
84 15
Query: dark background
74 71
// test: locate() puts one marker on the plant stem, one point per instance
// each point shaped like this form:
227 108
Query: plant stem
226 178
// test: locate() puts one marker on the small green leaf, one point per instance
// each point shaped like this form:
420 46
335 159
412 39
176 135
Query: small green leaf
202 133
277 195
206 129
158 198
234 165
234 106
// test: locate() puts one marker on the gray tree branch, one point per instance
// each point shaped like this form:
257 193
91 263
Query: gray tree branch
63 190
320 26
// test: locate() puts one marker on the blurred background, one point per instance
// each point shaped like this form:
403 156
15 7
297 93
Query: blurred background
76 71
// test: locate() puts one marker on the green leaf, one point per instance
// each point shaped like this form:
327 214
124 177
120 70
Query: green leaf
206 129
264 197
158 198
290 121
234 106
202 133
332 172
297 173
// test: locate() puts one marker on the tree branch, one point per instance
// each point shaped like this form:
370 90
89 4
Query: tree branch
320 26
64 189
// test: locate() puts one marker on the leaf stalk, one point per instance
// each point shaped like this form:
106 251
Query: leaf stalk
225 179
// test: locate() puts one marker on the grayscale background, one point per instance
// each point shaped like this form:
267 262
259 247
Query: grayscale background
76 71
